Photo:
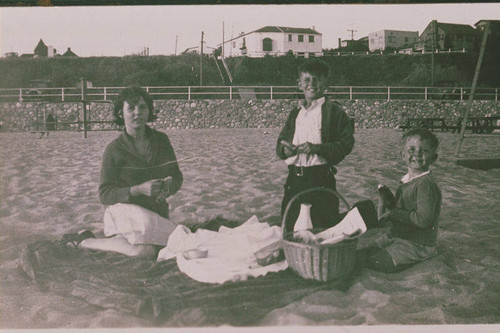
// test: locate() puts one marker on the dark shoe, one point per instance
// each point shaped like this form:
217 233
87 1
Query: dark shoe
74 239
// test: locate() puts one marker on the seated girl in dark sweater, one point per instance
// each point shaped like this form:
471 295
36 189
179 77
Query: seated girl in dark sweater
139 172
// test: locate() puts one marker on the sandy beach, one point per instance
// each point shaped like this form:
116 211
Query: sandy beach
49 188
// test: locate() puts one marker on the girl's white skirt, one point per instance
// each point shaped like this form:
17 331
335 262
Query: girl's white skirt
137 224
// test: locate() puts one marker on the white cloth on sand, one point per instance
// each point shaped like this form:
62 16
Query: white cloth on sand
137 224
230 251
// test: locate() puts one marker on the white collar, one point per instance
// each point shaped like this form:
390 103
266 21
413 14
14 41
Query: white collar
317 102
406 178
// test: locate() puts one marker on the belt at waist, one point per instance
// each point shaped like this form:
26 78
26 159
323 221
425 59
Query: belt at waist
301 171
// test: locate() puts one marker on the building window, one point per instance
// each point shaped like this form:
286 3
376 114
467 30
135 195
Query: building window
234 44
311 39
312 54
372 40
301 38
267 44
289 37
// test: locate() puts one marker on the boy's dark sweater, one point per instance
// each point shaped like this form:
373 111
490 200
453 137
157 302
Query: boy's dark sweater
415 217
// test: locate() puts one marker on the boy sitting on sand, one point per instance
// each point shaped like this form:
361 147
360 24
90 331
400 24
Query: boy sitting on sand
415 212
317 135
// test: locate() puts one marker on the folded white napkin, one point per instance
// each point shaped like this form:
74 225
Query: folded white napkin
230 251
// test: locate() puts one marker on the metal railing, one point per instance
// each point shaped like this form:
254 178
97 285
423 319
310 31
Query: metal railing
73 94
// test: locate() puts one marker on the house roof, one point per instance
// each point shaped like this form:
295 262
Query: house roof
484 21
456 28
273 28
69 53
494 24
40 47
289 30
196 49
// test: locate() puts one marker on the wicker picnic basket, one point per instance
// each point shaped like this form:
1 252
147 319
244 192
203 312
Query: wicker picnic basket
315 261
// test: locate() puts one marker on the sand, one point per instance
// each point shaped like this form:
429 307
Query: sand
49 188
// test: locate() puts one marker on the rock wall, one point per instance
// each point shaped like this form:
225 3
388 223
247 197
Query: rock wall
183 114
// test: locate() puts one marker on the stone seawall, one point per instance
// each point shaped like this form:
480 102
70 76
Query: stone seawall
183 114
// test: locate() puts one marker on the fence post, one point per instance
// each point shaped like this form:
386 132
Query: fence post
62 94
271 93
461 94
425 93
84 105
496 94
20 95
105 94
189 93
350 93
230 92
388 93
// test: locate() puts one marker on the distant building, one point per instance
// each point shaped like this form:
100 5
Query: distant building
42 50
448 36
494 25
11 55
275 41
394 39
207 50
69 53
355 45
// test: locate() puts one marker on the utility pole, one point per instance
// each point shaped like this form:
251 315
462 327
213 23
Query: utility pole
433 31
176 38
352 33
223 46
201 60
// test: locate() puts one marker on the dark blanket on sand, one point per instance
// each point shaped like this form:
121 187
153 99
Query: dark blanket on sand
158 291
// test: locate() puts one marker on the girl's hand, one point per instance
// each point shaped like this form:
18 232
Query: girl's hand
165 191
149 188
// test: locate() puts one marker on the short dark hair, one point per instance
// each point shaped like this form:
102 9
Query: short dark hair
315 67
423 134
131 95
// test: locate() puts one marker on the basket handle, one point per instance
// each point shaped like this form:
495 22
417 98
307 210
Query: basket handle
301 193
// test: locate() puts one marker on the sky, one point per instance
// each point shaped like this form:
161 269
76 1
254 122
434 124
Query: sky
165 30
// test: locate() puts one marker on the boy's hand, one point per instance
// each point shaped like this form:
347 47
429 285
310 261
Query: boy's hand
288 148
386 197
384 217
307 148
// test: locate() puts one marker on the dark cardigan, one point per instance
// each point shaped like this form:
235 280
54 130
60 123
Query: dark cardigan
418 205
123 167
336 133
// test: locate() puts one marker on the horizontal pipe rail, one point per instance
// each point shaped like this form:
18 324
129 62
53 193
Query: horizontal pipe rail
72 94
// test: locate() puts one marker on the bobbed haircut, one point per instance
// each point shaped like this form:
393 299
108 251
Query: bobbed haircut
315 67
131 95
423 134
